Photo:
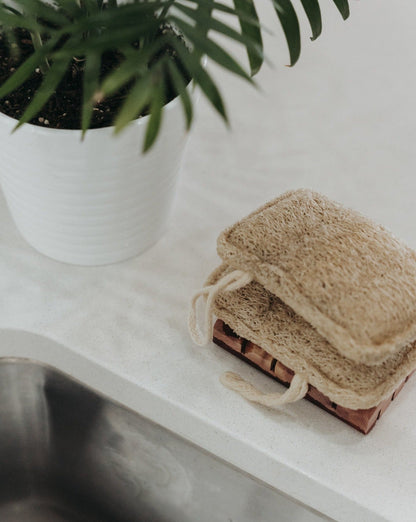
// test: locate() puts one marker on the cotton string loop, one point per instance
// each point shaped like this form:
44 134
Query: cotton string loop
228 283
297 390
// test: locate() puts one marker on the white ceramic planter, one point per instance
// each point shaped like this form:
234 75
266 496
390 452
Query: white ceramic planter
93 202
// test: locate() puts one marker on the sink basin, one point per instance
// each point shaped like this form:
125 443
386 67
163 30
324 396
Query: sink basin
69 454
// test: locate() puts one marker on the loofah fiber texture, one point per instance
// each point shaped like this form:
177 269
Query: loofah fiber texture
258 315
347 276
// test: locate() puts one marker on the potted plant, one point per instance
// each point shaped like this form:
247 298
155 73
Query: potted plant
90 175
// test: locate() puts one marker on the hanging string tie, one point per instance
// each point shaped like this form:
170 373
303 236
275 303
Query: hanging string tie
228 283
297 390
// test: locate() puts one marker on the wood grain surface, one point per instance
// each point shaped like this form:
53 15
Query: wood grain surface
361 420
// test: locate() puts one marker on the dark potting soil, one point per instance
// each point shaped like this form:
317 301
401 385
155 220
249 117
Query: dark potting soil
63 109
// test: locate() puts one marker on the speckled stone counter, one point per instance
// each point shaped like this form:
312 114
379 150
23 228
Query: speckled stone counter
342 122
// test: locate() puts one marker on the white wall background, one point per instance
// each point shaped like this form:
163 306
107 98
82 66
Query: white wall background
341 121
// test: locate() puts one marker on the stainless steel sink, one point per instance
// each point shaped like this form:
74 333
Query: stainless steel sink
69 454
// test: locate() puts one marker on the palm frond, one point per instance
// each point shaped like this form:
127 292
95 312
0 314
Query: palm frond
250 28
290 24
211 48
50 82
156 110
181 88
143 32
139 97
313 12
202 78
343 8
91 83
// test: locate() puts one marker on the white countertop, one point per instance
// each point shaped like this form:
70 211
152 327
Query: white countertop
341 122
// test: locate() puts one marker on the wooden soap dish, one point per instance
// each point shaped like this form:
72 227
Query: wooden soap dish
361 420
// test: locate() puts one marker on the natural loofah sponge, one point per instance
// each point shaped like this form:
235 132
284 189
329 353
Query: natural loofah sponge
347 276
256 314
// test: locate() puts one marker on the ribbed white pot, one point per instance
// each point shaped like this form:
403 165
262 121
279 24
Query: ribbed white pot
96 201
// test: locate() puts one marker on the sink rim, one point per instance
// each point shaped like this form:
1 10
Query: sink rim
49 366
192 426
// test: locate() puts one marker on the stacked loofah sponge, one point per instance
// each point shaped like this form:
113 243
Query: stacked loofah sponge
326 292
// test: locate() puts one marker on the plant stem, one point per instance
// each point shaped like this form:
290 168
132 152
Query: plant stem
37 44
165 9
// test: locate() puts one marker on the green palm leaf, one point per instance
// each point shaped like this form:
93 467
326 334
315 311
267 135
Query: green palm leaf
210 48
156 111
50 82
137 99
313 12
250 27
290 24
14 20
200 76
135 65
208 22
343 8
90 85
38 10
25 70
182 91
64 30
